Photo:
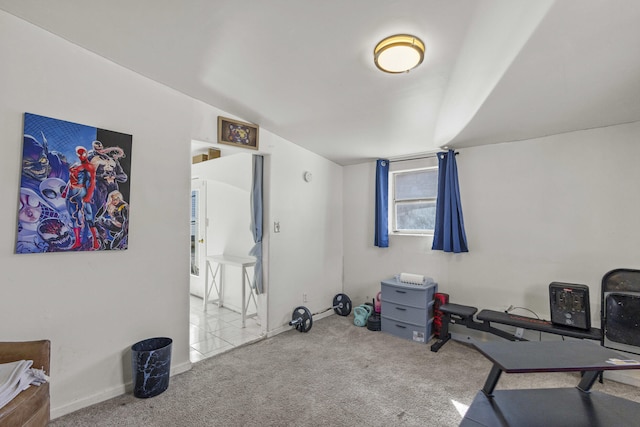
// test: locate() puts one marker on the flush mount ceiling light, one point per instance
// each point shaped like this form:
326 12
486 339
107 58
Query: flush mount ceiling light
399 53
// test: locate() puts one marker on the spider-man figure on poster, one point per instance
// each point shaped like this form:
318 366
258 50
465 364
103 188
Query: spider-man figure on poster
79 195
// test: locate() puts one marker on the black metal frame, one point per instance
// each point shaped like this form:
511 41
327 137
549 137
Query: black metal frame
624 281
464 315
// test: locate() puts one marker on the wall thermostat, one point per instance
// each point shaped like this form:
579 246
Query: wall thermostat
307 176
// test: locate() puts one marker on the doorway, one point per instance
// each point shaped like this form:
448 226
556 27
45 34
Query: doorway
198 230
220 214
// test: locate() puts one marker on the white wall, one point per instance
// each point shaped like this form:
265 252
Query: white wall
307 255
365 264
560 208
94 306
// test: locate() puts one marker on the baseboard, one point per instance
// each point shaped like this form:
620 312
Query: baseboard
108 394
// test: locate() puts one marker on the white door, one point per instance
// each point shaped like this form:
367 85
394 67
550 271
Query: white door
198 236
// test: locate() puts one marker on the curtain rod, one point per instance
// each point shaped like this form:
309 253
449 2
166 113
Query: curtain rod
418 158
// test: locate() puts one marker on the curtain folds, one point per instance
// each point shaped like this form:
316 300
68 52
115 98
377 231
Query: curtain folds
449 234
381 237
256 220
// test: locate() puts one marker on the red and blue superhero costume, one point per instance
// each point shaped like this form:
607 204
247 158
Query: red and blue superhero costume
79 195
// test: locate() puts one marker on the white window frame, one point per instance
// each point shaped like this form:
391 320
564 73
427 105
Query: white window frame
392 226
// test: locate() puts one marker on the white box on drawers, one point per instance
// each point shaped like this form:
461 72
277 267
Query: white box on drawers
407 309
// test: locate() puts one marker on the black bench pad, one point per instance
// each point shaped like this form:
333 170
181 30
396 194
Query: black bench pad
537 325
458 310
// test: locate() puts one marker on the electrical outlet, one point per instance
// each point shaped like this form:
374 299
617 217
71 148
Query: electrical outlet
304 297
519 332
276 227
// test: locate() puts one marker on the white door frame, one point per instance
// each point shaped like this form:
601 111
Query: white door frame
199 241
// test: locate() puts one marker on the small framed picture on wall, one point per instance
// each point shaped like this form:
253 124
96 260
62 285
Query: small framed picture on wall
240 134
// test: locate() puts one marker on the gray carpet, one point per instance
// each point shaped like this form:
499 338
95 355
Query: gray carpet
337 374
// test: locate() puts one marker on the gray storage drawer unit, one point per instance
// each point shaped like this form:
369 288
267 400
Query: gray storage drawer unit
407 309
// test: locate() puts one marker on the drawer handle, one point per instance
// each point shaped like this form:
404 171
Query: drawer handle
401 326
401 292
401 309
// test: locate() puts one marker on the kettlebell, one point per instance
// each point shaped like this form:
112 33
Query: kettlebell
361 314
377 304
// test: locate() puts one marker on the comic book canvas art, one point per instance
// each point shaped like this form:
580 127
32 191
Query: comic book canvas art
74 188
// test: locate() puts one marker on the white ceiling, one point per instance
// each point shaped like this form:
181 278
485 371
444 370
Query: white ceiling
495 70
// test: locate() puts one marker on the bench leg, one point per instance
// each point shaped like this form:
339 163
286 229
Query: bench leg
444 333
438 344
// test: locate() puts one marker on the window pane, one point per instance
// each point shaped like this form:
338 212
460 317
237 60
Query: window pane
417 185
416 215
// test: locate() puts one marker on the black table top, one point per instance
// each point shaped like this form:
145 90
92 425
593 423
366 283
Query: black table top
554 356
556 407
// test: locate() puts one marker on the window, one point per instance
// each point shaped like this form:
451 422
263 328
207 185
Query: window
413 201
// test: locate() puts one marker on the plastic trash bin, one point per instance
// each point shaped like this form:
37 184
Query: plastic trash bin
151 363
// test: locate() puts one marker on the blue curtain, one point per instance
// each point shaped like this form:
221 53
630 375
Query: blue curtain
381 238
449 235
256 220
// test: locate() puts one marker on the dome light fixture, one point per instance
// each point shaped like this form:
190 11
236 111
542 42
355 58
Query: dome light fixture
399 53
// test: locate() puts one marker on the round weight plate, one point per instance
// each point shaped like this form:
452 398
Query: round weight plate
304 315
342 305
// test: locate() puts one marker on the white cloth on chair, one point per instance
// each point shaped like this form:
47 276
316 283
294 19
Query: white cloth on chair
16 377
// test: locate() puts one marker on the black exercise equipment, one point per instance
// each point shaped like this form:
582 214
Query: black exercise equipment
570 314
301 319
464 315
342 305
374 322
570 305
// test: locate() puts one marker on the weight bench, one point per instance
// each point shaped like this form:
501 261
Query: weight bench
464 315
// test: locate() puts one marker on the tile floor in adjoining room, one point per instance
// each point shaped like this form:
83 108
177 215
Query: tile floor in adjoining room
217 330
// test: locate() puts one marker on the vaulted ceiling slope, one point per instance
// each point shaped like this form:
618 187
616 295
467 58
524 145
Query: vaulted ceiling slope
495 70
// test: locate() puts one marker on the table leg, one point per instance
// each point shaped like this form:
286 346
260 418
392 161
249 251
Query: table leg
205 300
221 294
587 381
244 306
492 380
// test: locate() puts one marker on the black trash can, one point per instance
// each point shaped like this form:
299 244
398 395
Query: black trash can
151 363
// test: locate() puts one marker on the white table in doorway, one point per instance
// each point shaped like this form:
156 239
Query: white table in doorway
216 279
